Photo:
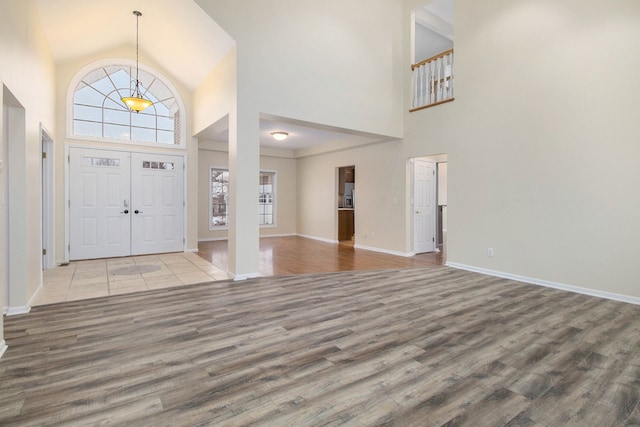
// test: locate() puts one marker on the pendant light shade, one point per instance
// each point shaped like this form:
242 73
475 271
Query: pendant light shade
136 102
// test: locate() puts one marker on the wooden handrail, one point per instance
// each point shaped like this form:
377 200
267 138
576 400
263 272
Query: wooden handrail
433 58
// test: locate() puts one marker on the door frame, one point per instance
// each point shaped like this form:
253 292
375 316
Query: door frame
47 177
67 188
437 159
434 210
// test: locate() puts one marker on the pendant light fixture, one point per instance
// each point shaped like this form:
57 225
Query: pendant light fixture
136 102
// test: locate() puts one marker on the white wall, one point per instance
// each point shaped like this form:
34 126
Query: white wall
27 71
542 141
216 154
65 73
429 43
324 61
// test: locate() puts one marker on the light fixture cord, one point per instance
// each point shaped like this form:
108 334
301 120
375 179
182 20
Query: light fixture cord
137 47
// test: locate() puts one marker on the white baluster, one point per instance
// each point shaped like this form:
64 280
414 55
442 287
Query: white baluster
432 88
414 100
451 78
423 85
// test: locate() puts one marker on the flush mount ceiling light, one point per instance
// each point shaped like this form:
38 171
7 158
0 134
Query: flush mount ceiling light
279 136
136 102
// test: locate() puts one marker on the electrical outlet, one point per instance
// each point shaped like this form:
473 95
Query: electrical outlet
489 251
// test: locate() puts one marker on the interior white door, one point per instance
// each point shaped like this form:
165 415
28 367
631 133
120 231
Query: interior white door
424 204
157 221
99 212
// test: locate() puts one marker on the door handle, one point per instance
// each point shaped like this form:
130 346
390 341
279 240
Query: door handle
126 211
137 211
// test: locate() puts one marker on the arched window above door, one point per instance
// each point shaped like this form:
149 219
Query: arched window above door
99 113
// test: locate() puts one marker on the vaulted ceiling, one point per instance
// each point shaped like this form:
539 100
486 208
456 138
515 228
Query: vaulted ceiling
176 34
180 37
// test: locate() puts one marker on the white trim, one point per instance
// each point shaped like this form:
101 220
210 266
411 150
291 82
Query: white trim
3 347
13 311
240 277
67 200
548 283
321 239
191 250
218 239
212 239
47 211
73 84
384 251
279 235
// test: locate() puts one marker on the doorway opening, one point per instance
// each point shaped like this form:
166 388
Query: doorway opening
346 204
429 203
12 200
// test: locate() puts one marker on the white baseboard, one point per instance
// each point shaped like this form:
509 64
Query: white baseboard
3 347
278 235
217 239
240 277
384 251
548 284
191 250
212 239
14 311
321 239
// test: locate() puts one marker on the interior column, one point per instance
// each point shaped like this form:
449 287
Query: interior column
242 210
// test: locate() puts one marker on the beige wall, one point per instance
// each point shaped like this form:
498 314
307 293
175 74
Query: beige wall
216 154
542 141
27 71
379 201
215 97
66 72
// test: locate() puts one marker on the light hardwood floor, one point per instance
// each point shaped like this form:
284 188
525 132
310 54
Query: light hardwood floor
411 347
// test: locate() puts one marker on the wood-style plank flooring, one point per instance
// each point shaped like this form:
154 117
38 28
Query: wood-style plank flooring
300 255
412 347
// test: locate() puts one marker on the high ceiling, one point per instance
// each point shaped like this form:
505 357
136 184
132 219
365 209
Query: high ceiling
176 34
180 37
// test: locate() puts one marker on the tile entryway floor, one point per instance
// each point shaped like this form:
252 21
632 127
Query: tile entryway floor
114 276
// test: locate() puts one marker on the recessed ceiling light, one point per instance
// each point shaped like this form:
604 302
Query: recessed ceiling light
279 136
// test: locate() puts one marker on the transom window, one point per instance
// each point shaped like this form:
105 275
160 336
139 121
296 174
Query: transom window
219 198
99 112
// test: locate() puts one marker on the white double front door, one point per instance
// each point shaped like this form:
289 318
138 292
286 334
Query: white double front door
124 203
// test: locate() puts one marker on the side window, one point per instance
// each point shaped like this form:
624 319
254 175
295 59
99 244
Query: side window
266 197
98 110
219 198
